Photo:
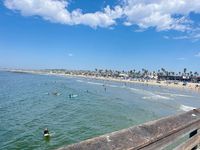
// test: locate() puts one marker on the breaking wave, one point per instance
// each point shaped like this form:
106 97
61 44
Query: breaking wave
79 80
156 97
186 108
95 83
148 95
175 95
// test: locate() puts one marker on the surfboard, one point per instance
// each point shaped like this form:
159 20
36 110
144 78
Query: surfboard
46 135
74 96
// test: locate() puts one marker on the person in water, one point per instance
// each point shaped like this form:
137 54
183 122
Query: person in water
46 131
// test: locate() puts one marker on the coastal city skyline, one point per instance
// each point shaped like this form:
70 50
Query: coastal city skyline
99 34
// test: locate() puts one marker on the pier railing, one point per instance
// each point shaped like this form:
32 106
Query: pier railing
154 135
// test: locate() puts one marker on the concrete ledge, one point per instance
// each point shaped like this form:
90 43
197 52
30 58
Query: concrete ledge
150 135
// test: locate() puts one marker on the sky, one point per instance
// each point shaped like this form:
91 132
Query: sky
107 34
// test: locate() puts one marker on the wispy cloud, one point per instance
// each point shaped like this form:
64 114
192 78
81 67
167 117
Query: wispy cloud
139 30
181 58
166 37
193 36
70 54
198 54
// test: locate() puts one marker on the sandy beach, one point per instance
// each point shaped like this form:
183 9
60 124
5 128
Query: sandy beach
169 84
179 85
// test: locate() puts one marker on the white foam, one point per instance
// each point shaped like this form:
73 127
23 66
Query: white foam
74 95
95 83
186 108
149 95
134 89
156 97
181 95
176 95
112 85
52 134
109 85
98 83
79 80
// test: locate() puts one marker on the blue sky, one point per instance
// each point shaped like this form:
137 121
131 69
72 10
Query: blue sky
114 34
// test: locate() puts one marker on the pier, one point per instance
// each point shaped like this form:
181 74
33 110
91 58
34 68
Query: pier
153 135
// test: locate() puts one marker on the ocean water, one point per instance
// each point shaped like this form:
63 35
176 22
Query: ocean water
28 104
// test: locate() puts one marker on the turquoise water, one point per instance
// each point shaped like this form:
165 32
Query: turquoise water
28 105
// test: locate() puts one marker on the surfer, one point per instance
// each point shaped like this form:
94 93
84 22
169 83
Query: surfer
46 132
56 93
72 96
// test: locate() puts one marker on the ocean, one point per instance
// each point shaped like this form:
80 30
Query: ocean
29 103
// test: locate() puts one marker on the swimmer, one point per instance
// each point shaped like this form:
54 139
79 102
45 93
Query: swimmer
46 132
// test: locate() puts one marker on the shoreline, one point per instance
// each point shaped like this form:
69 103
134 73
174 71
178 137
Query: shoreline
165 84
189 86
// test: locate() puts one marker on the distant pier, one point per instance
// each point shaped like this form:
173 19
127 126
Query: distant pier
153 135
